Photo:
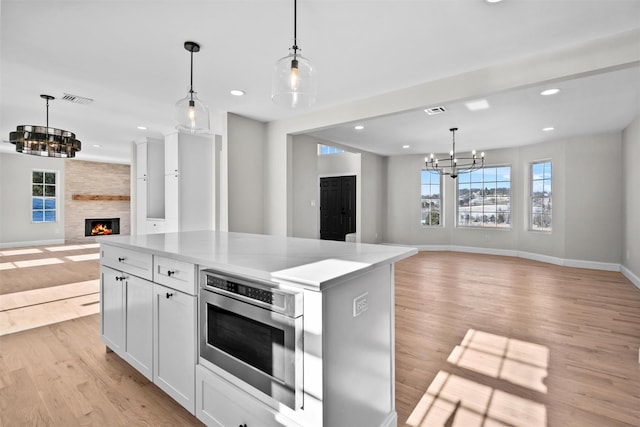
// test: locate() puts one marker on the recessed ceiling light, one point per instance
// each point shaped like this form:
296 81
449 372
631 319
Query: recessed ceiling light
406 146
549 92
480 104
237 92
549 129
358 127
97 145
142 127
493 1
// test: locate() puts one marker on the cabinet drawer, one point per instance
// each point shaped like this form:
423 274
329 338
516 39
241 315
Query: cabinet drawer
155 226
219 403
178 275
133 262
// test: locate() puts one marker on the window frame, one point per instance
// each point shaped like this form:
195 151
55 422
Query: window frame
483 226
329 150
43 198
531 197
440 200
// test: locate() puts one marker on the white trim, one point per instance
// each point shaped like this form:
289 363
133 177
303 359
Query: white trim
593 265
632 278
32 243
391 420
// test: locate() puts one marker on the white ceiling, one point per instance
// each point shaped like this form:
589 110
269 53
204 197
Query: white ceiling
128 56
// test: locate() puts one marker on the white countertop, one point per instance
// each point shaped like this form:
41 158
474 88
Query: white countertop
311 263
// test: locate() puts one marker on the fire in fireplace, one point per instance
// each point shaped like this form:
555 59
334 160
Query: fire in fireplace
101 226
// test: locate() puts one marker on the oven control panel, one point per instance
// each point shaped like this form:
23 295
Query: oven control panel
255 293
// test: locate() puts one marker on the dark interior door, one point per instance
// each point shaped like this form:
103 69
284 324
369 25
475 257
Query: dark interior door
337 207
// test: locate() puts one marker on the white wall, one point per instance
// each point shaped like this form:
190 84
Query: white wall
374 197
244 144
587 203
16 228
305 201
593 201
631 202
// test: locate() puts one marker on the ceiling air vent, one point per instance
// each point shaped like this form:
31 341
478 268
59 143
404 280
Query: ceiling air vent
77 99
435 110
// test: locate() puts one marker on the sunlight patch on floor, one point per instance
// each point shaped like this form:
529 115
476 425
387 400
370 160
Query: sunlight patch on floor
85 257
20 311
14 252
72 247
454 401
519 362
37 262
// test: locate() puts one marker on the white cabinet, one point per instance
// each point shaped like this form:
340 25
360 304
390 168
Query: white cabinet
126 317
150 191
174 347
222 404
141 159
111 308
188 182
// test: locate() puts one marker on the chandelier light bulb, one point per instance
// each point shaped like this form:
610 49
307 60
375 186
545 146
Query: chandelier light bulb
294 80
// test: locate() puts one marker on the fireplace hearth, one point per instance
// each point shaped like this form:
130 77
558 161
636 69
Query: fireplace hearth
101 226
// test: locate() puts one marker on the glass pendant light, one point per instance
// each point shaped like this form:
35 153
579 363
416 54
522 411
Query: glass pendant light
192 115
294 78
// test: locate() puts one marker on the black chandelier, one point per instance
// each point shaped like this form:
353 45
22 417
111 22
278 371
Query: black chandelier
43 140
454 165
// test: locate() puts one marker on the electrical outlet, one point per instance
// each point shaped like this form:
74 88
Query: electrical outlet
360 304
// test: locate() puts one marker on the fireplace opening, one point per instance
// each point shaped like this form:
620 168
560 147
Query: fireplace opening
101 226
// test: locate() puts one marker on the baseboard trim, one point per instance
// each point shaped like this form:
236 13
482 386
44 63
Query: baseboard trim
633 279
592 265
391 420
32 243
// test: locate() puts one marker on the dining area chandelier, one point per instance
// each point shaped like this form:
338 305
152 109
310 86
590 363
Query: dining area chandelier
455 164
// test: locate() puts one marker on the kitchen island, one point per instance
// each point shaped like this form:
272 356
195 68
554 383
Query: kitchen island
329 362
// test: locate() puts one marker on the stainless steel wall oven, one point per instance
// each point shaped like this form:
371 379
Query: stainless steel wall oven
254 331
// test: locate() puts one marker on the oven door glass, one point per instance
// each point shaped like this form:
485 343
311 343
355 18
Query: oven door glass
258 344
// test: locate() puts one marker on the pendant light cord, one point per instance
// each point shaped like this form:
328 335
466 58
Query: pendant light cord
191 81
295 28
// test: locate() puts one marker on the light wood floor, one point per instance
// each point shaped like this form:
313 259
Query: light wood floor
479 339
588 321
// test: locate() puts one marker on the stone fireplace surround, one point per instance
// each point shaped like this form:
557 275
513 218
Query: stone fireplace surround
83 177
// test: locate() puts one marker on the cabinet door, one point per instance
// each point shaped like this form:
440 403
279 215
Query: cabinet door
138 349
222 404
141 160
111 308
172 202
174 347
155 226
142 194
171 157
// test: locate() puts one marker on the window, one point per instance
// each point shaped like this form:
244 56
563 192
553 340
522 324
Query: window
431 198
323 150
484 198
43 196
540 195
